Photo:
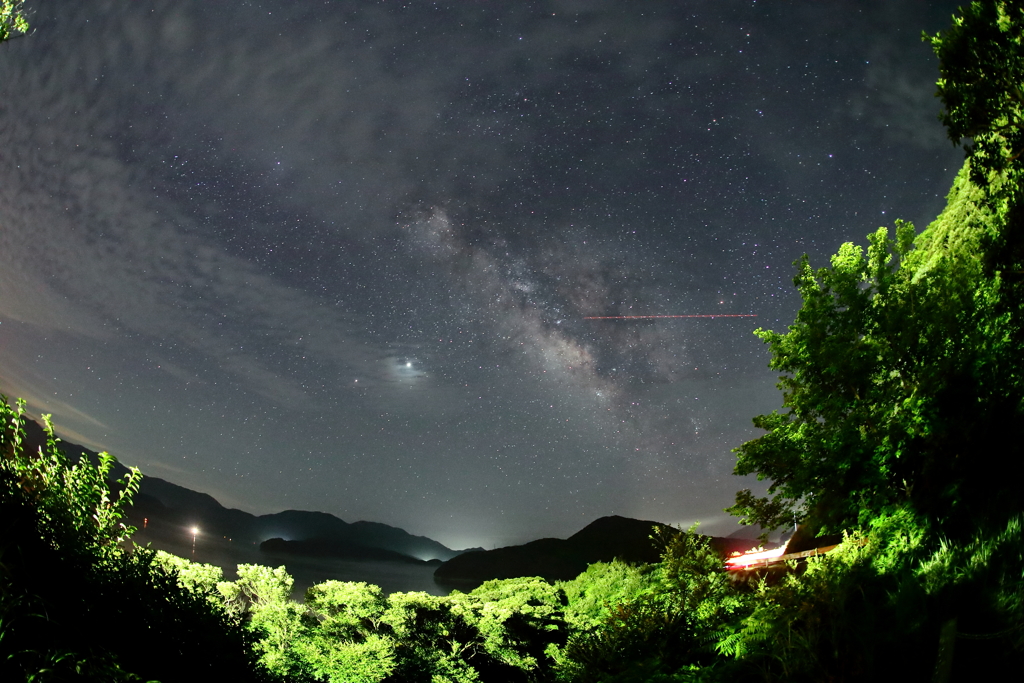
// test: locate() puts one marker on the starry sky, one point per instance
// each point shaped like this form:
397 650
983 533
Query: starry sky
341 256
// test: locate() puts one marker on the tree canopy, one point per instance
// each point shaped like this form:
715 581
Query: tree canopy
904 371
981 76
12 19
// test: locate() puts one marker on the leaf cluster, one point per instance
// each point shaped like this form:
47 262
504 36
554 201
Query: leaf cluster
505 630
12 19
981 85
75 602
903 381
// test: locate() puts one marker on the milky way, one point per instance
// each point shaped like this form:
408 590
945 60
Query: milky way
352 256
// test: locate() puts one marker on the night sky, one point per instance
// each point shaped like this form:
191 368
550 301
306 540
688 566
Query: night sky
339 256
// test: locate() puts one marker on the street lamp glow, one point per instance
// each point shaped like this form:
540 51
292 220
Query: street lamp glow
195 530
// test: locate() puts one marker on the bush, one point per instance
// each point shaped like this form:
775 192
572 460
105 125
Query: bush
74 602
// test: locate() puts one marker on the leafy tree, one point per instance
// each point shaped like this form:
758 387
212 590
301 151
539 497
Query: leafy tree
192 576
520 622
12 18
261 595
503 631
903 394
74 601
981 83
904 378
840 616
593 595
432 640
343 640
903 382
667 629
347 609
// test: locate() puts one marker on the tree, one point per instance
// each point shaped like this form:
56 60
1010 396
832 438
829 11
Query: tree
904 378
192 576
261 594
595 593
12 18
981 83
903 382
434 641
341 639
75 602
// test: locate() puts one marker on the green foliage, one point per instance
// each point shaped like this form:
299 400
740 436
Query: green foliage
838 617
345 609
903 382
12 18
257 587
593 595
260 595
348 661
74 602
843 367
346 631
646 636
342 640
69 497
432 640
518 620
981 582
903 371
903 393
841 615
192 576
667 627
693 574
981 69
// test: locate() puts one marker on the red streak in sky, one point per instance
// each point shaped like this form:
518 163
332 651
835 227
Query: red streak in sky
646 317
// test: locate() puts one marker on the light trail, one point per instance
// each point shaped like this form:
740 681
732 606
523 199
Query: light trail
753 557
649 317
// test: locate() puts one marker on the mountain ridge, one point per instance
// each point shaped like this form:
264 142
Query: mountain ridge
555 559
165 512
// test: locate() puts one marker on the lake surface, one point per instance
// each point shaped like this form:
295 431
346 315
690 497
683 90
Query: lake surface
392 577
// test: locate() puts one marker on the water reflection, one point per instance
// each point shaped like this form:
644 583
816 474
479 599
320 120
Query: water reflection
392 577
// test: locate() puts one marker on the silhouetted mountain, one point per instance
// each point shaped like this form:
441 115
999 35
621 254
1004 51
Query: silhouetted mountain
555 559
164 511
163 504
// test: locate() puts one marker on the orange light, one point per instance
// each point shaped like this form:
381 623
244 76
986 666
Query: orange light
749 558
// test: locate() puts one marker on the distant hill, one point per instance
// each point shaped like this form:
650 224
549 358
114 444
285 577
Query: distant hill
556 559
170 505
164 511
